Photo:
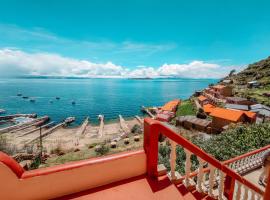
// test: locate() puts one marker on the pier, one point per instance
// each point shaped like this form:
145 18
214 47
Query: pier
8 117
23 125
82 129
101 126
50 131
36 129
140 120
146 110
36 123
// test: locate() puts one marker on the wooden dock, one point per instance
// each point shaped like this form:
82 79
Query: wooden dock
123 125
140 120
36 122
146 110
22 125
51 130
81 130
36 129
101 126
8 117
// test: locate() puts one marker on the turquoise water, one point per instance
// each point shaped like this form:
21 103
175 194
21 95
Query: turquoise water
109 97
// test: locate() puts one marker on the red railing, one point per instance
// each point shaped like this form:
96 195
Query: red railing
152 130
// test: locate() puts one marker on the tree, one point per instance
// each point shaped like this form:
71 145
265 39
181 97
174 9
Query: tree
232 72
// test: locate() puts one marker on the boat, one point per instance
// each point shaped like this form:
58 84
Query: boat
2 111
57 98
32 100
51 101
25 97
19 94
73 102
69 120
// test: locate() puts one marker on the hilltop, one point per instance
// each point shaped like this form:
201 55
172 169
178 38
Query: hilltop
260 72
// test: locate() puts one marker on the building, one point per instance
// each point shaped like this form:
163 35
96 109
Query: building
167 112
137 175
222 117
239 101
192 122
222 90
208 108
261 110
253 84
236 107
203 100
227 81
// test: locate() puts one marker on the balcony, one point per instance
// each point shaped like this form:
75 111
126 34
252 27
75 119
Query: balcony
137 175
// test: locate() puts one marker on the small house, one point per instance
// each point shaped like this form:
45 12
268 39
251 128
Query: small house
208 108
222 117
167 112
192 122
236 107
203 100
261 110
222 90
239 101
253 84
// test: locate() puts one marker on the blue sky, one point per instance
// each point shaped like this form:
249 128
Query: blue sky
132 38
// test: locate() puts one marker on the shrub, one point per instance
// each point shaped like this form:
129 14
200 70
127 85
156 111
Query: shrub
136 129
102 149
235 141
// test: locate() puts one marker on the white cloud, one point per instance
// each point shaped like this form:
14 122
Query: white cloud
15 62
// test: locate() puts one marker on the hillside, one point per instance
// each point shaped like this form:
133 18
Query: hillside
260 72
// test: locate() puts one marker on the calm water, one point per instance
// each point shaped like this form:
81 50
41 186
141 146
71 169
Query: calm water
109 97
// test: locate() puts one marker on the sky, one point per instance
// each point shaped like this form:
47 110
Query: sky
138 38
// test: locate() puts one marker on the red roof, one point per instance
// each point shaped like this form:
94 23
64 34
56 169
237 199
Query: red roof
208 108
219 86
163 117
171 105
249 114
231 115
202 98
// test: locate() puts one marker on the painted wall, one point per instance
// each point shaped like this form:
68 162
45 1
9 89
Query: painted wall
69 178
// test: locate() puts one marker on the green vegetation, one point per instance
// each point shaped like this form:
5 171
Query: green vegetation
102 149
136 129
260 72
89 152
235 141
186 108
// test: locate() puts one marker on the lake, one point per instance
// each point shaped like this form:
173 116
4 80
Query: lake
92 97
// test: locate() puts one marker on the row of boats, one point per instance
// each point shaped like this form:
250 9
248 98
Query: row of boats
31 99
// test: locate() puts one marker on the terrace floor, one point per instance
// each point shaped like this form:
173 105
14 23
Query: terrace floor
253 177
138 188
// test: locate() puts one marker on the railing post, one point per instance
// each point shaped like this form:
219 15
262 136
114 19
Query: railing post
200 175
151 146
267 189
229 187
221 185
172 160
187 167
211 180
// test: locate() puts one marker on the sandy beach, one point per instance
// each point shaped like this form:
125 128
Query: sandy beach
68 137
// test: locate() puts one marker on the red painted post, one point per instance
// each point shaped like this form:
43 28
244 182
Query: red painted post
151 146
229 187
267 189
